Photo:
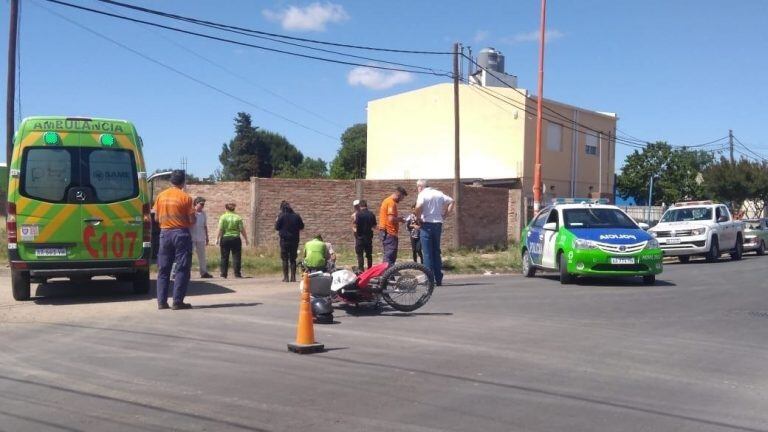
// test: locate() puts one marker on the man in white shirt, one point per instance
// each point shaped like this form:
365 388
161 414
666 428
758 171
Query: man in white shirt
199 233
432 207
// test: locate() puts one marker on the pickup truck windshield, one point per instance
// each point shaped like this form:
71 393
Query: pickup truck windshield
688 214
597 218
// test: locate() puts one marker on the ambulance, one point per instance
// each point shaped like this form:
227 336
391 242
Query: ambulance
584 237
77 203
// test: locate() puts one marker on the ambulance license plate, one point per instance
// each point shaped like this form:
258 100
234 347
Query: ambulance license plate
616 260
51 252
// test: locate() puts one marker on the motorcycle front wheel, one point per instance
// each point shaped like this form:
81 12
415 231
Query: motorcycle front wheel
407 286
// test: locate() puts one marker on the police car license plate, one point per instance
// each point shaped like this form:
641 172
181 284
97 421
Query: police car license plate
51 252
673 240
616 260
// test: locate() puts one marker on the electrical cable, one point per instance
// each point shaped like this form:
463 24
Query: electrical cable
234 42
315 41
185 75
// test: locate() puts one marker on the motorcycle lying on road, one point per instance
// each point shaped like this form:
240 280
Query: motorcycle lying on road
405 286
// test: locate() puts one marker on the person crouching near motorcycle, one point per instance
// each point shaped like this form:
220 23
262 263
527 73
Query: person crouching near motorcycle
318 255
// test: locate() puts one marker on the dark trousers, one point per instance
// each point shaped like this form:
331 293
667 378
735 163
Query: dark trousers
430 244
416 248
234 245
389 247
288 252
175 246
364 246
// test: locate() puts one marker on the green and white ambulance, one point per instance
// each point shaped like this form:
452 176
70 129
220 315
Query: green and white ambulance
581 237
77 203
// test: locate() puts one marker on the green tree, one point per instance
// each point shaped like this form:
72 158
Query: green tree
735 182
675 173
308 168
351 158
255 153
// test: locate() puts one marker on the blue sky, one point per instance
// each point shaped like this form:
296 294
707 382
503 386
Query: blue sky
681 71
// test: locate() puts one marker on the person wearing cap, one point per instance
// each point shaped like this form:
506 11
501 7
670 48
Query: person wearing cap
289 225
200 236
176 215
389 224
356 207
432 207
228 238
364 223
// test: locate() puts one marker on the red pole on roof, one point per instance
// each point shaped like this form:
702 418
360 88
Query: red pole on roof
537 164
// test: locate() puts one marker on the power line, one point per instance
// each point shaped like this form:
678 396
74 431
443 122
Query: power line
185 75
315 41
234 42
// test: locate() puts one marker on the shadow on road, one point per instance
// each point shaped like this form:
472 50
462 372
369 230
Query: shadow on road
613 281
65 292
226 305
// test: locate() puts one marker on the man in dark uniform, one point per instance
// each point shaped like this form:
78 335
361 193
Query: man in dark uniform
289 224
365 221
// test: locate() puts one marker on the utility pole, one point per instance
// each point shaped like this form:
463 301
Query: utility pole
11 89
539 102
456 162
600 164
730 143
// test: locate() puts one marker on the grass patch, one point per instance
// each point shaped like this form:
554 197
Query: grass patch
482 260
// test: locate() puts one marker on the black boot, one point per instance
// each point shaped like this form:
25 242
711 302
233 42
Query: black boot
293 272
285 271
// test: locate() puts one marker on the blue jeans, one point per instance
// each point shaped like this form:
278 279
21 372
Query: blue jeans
430 247
389 244
175 247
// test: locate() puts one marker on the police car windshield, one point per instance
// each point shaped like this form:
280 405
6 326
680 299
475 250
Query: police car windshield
597 218
687 214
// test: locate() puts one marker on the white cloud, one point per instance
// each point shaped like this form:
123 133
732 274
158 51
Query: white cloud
533 36
310 18
377 79
480 36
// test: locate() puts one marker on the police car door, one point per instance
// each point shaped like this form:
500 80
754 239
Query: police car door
535 237
548 254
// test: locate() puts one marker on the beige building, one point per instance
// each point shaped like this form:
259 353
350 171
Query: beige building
411 135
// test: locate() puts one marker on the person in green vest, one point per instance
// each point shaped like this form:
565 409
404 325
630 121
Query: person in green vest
228 238
316 254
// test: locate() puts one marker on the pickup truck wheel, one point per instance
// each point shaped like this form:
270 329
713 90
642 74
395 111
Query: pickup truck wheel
565 277
761 248
738 250
528 268
684 259
714 250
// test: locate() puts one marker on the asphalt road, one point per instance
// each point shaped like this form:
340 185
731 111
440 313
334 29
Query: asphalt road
487 353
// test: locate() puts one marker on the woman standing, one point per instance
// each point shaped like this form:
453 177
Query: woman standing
288 224
228 238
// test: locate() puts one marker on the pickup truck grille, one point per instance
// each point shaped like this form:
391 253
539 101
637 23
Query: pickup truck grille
621 249
678 233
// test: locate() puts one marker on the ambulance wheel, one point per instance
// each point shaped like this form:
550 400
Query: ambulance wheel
141 282
649 279
528 269
684 259
20 285
565 277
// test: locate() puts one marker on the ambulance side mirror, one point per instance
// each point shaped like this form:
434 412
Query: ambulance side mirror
550 226
643 226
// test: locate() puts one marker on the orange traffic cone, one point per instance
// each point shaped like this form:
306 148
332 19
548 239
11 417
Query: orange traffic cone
305 330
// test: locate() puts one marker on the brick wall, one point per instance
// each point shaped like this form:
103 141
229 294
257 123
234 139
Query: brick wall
326 208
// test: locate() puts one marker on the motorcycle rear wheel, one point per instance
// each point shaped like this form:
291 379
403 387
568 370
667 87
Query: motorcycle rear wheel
407 286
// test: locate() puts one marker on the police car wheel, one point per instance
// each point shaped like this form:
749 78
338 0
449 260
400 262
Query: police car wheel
20 285
528 269
649 279
565 277
761 248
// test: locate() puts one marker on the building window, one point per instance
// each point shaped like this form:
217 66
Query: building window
554 137
591 144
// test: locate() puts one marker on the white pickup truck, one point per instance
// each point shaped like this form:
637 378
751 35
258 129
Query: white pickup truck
699 228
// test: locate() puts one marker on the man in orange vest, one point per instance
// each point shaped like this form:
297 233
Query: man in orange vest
176 215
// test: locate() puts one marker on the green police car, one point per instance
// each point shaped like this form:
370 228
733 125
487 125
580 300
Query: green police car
580 237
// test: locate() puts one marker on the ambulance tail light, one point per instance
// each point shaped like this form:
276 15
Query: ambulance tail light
146 224
10 225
